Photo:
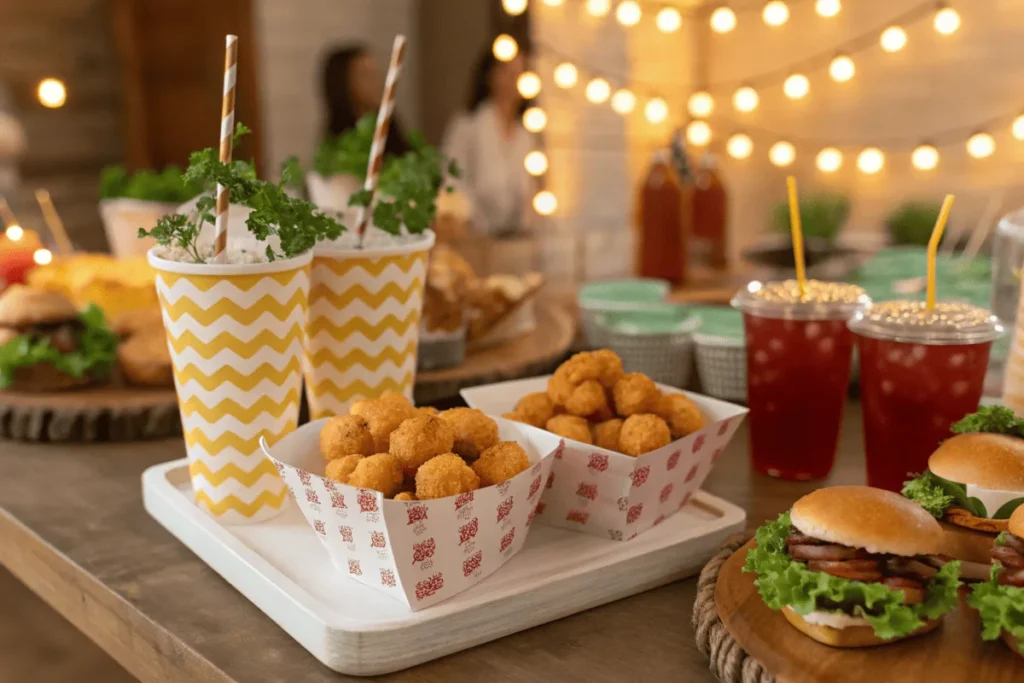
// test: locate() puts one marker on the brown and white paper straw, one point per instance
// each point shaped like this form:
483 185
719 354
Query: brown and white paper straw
380 133
54 222
227 125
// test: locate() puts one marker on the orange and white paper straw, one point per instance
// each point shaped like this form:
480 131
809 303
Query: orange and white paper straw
227 126
380 133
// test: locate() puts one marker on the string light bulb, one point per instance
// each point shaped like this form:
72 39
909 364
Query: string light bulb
723 20
870 160
528 84
545 203
698 133
598 91
668 20
1018 127
599 8
782 153
52 94
739 146
893 39
42 257
775 13
656 110
566 75
700 105
14 232
514 7
535 120
623 101
796 86
827 8
924 157
981 145
745 99
829 160
505 48
841 69
947 21
628 13
536 163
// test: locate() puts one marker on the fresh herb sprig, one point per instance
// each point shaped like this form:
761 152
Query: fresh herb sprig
348 153
992 420
296 222
166 186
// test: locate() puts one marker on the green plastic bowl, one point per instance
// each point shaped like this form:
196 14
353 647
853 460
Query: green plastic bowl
659 320
622 295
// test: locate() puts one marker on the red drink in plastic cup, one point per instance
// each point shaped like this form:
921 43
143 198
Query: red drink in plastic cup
798 373
919 373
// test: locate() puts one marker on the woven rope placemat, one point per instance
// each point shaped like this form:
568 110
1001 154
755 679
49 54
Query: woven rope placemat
728 660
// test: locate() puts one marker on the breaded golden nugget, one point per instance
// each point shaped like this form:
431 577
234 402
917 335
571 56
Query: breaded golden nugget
606 434
682 415
635 393
474 431
346 435
406 495
383 415
381 472
443 476
419 439
428 410
571 427
500 462
611 367
642 434
339 469
536 409
586 399
559 388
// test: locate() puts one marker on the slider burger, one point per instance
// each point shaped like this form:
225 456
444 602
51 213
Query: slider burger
974 482
1000 601
845 567
47 345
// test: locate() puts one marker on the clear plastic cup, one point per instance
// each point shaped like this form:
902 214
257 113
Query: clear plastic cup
798 372
919 373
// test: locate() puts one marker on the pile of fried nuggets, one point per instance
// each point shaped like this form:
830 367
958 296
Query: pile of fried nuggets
591 399
408 453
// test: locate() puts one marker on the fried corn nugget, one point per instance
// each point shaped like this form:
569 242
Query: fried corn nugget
571 427
474 431
345 435
610 367
559 388
501 462
606 434
536 409
635 393
381 472
339 469
406 495
428 410
586 399
419 439
443 476
383 415
642 434
682 415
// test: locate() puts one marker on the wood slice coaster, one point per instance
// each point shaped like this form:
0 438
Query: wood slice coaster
749 643
110 413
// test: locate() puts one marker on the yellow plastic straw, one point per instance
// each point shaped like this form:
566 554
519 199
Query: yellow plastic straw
933 248
798 235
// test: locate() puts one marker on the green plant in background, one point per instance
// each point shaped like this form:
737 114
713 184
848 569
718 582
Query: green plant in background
821 215
348 153
912 223
168 185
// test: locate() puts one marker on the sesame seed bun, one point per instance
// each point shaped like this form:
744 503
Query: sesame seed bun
22 306
1016 525
852 636
991 461
862 517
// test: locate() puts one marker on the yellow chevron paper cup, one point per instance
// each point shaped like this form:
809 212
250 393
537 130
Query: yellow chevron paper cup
363 329
235 334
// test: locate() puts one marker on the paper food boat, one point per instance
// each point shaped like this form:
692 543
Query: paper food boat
604 493
419 552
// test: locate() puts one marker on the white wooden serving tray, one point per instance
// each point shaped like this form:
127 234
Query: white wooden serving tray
281 566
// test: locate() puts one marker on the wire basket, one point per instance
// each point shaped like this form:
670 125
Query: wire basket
722 366
665 357
631 295
441 350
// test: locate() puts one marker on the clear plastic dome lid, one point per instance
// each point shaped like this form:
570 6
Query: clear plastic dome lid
912 322
818 301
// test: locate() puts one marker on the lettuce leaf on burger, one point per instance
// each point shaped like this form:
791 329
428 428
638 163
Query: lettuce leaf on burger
974 482
845 566
1000 601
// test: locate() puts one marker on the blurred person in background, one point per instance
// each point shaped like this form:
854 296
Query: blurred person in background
489 143
12 145
353 85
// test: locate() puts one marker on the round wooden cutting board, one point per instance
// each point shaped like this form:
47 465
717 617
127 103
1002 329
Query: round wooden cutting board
952 653
109 413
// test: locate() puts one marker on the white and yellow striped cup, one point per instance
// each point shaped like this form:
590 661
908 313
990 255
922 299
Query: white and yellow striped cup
363 329
235 333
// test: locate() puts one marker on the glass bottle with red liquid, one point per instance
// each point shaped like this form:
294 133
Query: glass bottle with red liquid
798 371
920 372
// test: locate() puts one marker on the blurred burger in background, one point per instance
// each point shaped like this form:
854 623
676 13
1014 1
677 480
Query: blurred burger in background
1000 601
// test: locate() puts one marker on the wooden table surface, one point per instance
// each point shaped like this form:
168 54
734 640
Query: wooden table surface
73 529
